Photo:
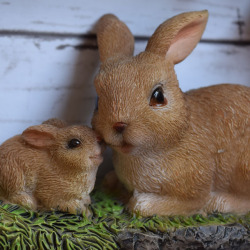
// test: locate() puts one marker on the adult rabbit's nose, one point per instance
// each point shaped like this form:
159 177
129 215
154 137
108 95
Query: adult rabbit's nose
119 127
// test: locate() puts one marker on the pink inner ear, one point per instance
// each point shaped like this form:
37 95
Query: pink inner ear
38 138
185 41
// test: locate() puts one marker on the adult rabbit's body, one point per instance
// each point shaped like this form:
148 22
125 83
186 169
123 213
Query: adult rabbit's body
180 153
208 169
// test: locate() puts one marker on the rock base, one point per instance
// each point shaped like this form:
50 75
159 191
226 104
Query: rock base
204 237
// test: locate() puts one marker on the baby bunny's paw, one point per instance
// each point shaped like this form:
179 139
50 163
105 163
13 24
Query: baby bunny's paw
24 199
77 207
80 206
84 209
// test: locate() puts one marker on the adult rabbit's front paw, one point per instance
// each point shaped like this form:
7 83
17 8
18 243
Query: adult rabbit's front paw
148 204
144 204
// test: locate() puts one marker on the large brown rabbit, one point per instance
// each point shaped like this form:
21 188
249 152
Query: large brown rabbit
50 166
179 153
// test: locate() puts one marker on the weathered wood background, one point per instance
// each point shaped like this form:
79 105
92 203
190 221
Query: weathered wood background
48 53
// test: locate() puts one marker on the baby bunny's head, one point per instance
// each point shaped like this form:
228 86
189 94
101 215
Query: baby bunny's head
140 104
73 147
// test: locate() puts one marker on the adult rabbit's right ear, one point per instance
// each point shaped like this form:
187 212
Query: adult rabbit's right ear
178 36
114 38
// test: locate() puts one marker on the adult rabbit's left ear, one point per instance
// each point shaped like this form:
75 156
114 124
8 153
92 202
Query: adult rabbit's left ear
114 38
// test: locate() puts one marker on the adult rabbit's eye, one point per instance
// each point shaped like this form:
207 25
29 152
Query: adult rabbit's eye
158 99
74 143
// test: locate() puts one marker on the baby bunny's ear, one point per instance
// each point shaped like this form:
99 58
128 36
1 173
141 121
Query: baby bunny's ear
114 38
40 136
178 36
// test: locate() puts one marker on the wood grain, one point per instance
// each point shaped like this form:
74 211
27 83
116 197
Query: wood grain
229 19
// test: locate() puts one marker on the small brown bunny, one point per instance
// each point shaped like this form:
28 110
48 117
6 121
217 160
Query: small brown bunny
50 166
179 153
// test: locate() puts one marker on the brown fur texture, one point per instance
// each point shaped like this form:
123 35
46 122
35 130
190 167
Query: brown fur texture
43 168
187 154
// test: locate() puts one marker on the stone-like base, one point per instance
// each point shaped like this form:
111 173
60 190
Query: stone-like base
204 237
112 227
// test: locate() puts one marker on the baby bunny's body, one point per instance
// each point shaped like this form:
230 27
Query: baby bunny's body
50 167
180 153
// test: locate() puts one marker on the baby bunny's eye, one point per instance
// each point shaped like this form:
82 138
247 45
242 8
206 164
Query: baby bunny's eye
74 143
158 99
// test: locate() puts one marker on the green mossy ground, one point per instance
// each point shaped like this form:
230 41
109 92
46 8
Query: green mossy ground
24 229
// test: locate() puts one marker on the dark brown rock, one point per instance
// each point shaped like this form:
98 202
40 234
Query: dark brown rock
204 237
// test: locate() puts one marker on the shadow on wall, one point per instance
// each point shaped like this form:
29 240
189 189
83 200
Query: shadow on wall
80 100
246 24
81 97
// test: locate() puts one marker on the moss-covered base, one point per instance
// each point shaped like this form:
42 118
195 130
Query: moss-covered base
111 227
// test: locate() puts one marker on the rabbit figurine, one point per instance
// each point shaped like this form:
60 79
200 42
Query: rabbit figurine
179 153
50 166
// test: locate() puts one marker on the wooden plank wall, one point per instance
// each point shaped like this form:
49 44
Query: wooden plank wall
48 53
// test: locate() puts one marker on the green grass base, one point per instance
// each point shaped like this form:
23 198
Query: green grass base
21 228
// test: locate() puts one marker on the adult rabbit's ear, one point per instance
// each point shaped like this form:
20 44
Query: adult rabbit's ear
178 36
114 38
40 136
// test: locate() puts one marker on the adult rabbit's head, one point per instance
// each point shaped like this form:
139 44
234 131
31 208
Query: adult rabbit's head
141 106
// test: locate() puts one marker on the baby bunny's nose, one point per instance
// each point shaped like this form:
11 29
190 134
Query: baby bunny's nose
99 139
119 127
